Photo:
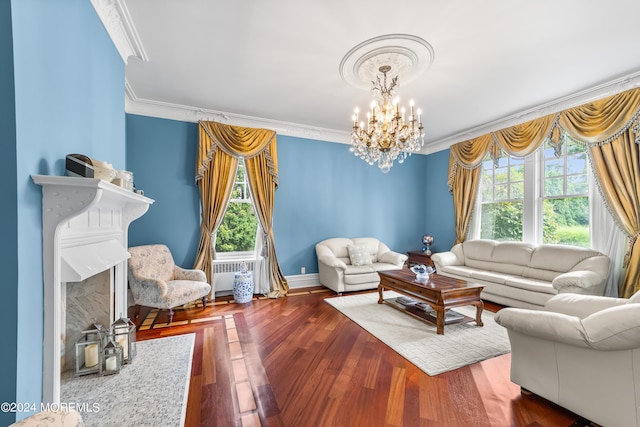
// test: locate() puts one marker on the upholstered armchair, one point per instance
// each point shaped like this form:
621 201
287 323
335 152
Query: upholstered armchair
581 352
346 265
156 281
61 418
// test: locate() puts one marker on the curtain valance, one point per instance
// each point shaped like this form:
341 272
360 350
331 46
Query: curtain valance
235 141
594 123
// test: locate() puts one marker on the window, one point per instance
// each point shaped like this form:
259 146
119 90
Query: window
565 195
502 192
236 236
515 205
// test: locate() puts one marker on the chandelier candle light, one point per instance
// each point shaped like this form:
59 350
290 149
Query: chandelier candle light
387 135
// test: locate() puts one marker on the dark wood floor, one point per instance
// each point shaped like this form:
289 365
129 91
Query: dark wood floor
297 361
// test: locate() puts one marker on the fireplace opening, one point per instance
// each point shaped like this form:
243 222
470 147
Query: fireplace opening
84 303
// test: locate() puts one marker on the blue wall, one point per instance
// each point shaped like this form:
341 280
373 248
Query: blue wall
324 191
69 97
439 210
161 154
8 215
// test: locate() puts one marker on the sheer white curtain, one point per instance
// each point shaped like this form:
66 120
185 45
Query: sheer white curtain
606 236
261 271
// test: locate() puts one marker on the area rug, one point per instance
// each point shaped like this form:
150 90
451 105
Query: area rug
417 341
151 391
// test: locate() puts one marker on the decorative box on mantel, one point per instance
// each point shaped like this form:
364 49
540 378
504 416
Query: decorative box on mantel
85 224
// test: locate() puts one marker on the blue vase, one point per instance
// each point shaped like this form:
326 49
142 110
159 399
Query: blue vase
243 286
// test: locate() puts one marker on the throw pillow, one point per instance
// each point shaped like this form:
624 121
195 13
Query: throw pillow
359 255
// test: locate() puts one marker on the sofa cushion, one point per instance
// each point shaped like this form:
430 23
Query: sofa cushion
615 328
541 274
505 268
359 269
381 266
359 255
518 253
532 285
534 298
458 270
559 257
491 276
481 250
357 279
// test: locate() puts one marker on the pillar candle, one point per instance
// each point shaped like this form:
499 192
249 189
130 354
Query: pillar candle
122 340
110 363
91 355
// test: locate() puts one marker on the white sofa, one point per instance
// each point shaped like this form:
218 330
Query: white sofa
525 275
336 270
582 352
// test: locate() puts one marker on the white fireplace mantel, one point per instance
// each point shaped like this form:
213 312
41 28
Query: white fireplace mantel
85 224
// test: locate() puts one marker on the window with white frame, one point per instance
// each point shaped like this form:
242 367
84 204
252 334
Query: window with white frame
565 194
502 194
541 199
236 236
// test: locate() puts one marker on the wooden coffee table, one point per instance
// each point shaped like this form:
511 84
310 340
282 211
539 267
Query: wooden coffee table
440 292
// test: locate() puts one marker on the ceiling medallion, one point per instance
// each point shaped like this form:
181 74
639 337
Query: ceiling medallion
407 55
387 134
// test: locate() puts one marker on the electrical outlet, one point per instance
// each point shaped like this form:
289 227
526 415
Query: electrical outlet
303 270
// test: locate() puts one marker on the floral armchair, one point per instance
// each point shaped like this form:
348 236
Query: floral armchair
156 281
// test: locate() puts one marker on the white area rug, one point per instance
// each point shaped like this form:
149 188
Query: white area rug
417 341
151 391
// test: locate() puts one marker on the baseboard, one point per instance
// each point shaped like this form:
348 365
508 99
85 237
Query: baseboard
303 280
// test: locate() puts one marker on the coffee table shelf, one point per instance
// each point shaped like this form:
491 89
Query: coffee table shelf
451 317
441 293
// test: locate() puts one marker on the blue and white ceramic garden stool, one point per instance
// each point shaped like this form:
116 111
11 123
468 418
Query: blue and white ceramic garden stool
243 286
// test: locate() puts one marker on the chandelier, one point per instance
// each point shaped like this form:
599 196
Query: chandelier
387 135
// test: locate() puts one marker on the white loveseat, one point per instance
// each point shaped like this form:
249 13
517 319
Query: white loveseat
581 352
336 270
522 274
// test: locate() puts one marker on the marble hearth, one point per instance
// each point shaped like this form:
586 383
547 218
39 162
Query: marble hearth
85 224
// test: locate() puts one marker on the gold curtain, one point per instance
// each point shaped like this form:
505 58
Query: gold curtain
215 175
611 129
263 182
227 143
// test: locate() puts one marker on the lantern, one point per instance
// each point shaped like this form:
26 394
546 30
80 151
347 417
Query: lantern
124 332
89 349
111 358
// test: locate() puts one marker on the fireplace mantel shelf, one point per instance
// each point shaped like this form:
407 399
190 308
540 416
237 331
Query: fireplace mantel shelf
85 224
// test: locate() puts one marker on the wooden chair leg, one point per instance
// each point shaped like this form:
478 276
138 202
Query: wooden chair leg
204 302
170 316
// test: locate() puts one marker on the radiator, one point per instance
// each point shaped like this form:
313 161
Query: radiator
223 273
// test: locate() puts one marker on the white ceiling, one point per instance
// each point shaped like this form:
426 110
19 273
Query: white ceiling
278 59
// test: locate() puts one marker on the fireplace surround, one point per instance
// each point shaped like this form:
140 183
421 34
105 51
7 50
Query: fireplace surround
85 224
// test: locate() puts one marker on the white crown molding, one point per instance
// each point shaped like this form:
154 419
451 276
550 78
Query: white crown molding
165 110
594 93
118 23
144 107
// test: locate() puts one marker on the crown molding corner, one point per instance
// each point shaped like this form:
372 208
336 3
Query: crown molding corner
185 113
116 19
